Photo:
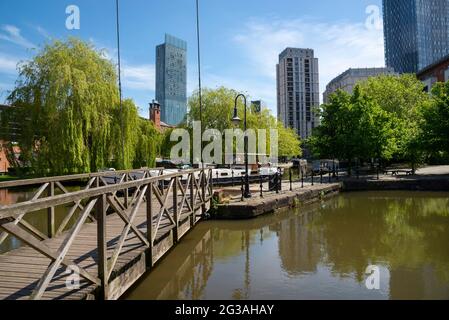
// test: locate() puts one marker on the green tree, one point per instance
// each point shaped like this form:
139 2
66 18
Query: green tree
353 127
402 98
66 104
148 144
218 110
435 124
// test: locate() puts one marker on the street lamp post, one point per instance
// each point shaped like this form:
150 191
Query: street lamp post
236 120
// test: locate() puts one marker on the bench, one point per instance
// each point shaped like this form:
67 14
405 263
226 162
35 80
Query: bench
396 172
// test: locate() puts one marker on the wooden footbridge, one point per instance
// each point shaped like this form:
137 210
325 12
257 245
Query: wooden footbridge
109 234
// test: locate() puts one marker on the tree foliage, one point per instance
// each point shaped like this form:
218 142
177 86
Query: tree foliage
218 110
381 120
66 104
353 127
402 97
435 122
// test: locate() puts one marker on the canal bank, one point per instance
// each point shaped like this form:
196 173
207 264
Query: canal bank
414 183
228 203
256 206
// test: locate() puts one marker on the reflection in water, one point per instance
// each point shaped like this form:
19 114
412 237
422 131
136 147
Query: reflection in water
317 252
37 219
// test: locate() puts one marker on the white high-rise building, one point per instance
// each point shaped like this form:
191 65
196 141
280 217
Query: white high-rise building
350 78
298 91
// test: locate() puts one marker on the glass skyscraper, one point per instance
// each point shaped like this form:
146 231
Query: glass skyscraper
171 79
416 33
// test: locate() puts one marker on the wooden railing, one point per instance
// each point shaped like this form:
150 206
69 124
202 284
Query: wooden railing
163 198
51 186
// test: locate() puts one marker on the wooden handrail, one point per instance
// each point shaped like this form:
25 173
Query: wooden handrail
36 181
169 207
15 210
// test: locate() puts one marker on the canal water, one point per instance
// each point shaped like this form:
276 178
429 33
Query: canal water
320 251
37 219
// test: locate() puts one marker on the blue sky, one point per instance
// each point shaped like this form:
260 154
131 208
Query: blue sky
241 40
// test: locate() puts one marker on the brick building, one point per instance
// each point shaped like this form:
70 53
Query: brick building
436 72
8 133
155 117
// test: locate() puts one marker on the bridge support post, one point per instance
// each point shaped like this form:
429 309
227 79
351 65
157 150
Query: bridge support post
175 210
126 192
51 212
149 203
102 247
192 200
203 191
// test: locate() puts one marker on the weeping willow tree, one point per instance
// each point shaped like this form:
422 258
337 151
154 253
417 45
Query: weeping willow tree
148 145
67 105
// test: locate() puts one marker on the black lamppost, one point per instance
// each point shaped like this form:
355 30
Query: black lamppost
236 120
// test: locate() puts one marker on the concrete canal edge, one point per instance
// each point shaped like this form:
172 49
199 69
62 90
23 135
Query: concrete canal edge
255 207
406 184
290 199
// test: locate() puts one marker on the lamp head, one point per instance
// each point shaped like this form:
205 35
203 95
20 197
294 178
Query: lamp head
236 119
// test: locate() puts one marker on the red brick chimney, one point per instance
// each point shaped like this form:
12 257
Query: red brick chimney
155 114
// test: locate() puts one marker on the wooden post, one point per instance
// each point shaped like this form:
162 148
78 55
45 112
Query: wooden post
203 191
126 192
149 198
211 191
192 200
51 212
175 210
102 247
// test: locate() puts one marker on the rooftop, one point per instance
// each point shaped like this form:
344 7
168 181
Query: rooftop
433 65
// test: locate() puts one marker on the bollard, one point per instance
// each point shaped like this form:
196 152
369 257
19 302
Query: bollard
216 182
277 182
243 190
232 179
302 179
290 176
313 174
378 177
261 186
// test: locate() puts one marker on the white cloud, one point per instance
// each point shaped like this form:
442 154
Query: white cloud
134 76
138 77
13 34
8 65
44 33
338 46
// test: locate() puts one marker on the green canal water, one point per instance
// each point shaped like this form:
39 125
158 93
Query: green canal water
37 219
317 252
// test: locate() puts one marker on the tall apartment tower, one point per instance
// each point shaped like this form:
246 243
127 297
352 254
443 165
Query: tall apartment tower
416 33
298 91
171 79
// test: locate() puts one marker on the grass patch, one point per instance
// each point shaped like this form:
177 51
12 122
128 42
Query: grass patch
4 178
